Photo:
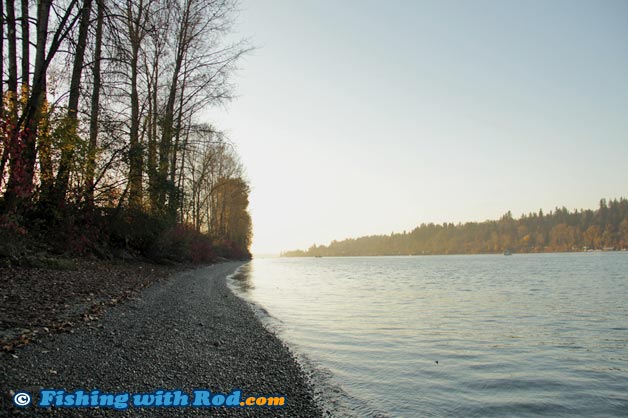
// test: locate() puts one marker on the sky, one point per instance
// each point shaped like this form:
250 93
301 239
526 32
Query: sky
361 117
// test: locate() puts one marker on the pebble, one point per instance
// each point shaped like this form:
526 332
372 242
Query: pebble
218 343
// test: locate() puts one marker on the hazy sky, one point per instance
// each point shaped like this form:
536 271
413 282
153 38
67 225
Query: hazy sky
367 117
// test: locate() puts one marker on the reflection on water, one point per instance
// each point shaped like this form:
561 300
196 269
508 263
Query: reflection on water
241 280
482 336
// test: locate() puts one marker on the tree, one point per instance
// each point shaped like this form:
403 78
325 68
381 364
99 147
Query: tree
25 25
94 108
592 237
127 83
137 21
623 231
562 237
68 148
560 230
24 128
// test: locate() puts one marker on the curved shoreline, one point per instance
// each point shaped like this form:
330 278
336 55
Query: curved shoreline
187 332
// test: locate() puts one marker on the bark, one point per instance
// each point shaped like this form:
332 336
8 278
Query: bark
165 146
23 147
45 148
22 164
2 70
135 148
95 107
12 41
67 152
25 46
174 197
5 142
77 68
153 115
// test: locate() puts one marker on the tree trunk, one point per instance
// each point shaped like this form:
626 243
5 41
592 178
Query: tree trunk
135 148
25 47
2 72
175 192
22 165
5 143
95 107
12 41
67 152
153 115
45 149
165 147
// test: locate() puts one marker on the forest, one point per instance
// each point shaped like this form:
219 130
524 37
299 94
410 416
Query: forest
105 143
560 230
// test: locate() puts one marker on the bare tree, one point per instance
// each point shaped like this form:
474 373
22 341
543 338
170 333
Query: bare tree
109 101
200 67
23 145
137 20
94 106
67 152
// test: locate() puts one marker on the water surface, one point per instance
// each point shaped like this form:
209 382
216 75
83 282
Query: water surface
468 336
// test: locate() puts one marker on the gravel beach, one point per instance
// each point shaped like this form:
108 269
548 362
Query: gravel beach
187 332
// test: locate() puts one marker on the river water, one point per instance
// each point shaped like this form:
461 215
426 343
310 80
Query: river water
453 336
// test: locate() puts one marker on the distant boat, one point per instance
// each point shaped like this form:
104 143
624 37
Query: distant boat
507 252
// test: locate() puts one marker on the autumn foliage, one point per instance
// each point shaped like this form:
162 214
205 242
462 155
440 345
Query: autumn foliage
559 230
103 142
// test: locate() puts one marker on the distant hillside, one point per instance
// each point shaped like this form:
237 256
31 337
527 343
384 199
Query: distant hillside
559 230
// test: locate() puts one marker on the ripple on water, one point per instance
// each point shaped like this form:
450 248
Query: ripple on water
467 336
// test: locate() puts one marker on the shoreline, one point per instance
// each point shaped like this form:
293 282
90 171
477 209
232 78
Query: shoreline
620 251
186 332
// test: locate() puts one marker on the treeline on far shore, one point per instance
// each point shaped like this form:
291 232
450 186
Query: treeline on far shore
560 230
105 145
